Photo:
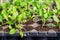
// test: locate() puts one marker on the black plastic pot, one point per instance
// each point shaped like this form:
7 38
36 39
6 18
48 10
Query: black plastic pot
31 36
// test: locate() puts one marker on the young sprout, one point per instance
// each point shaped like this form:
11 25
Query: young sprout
55 19
5 15
58 3
21 33
45 15
17 3
12 30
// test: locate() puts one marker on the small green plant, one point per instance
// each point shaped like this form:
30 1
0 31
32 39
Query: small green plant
12 30
55 18
45 15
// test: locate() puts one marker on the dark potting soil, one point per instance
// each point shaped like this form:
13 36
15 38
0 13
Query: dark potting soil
28 22
6 30
0 28
59 17
27 27
55 28
40 22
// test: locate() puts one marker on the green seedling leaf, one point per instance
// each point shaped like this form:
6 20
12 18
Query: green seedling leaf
15 13
5 15
28 14
6 4
40 1
44 10
10 27
24 21
50 13
12 10
12 31
36 5
45 15
18 26
30 0
1 8
41 13
23 4
21 34
10 22
1 18
21 16
55 18
17 3
58 4
58 12
48 2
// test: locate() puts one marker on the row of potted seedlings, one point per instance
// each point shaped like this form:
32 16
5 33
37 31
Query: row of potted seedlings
29 16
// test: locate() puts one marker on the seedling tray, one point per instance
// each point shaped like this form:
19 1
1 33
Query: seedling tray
44 33
31 36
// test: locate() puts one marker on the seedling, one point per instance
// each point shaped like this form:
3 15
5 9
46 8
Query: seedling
12 30
55 18
45 15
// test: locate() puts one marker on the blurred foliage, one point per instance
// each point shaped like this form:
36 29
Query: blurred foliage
16 11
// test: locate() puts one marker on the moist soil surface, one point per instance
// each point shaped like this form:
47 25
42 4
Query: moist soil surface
29 28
